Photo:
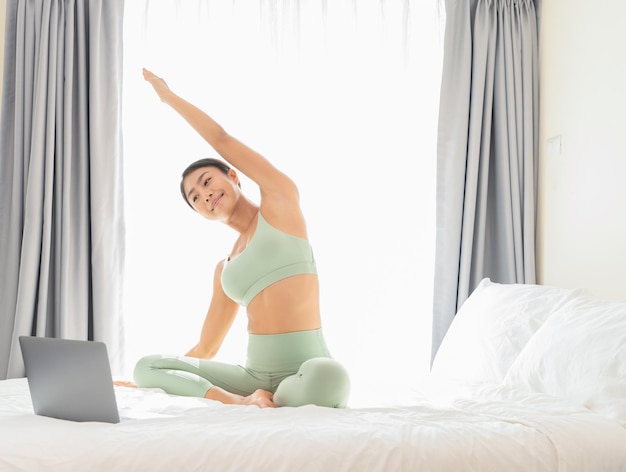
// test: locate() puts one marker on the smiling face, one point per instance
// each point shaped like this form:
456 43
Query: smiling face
211 192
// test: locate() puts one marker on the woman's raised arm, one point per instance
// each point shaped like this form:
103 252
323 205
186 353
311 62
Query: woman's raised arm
270 180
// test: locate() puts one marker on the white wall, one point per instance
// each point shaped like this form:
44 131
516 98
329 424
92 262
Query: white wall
581 236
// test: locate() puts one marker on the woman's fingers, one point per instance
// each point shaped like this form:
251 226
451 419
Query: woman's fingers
149 75
159 85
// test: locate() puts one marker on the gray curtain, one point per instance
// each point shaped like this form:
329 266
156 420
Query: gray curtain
61 219
487 151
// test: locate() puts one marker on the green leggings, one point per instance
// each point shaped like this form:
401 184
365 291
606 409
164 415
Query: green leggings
296 367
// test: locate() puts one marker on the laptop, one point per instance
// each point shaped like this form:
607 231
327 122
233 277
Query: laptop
69 379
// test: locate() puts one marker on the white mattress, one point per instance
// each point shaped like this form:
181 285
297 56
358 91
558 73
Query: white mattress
491 428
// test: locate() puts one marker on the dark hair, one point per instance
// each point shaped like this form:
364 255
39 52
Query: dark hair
200 163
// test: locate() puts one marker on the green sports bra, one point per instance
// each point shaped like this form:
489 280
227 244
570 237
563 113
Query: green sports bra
271 255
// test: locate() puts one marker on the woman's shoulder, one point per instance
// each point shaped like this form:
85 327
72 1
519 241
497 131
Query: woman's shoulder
285 218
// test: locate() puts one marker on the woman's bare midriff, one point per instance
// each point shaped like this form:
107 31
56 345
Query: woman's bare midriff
289 305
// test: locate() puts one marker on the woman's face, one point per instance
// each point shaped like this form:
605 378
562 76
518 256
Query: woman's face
212 193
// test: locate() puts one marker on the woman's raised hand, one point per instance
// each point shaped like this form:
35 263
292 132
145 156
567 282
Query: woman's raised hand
159 85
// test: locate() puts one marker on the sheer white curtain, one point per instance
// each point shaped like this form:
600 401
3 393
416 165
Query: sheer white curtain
343 97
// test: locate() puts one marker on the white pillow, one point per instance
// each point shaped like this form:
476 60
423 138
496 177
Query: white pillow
579 354
492 327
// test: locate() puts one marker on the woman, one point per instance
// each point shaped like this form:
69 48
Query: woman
270 270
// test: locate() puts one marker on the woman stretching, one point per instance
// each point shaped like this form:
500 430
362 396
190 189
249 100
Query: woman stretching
270 271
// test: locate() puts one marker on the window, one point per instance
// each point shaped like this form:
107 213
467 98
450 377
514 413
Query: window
343 97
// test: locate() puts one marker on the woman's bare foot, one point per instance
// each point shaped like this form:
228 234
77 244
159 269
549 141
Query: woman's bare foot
260 398
124 383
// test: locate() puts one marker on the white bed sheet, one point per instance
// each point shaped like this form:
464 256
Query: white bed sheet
492 428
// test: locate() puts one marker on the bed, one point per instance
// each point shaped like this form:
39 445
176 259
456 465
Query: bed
528 378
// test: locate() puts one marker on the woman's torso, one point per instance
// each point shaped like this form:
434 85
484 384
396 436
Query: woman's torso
274 274
291 304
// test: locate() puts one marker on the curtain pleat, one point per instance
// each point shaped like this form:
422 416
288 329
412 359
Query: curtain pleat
60 182
487 152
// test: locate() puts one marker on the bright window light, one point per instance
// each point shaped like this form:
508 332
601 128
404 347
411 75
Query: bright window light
343 97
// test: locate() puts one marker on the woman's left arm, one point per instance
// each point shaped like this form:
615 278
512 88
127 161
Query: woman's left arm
272 182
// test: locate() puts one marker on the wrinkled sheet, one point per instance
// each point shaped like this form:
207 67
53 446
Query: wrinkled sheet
490 428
